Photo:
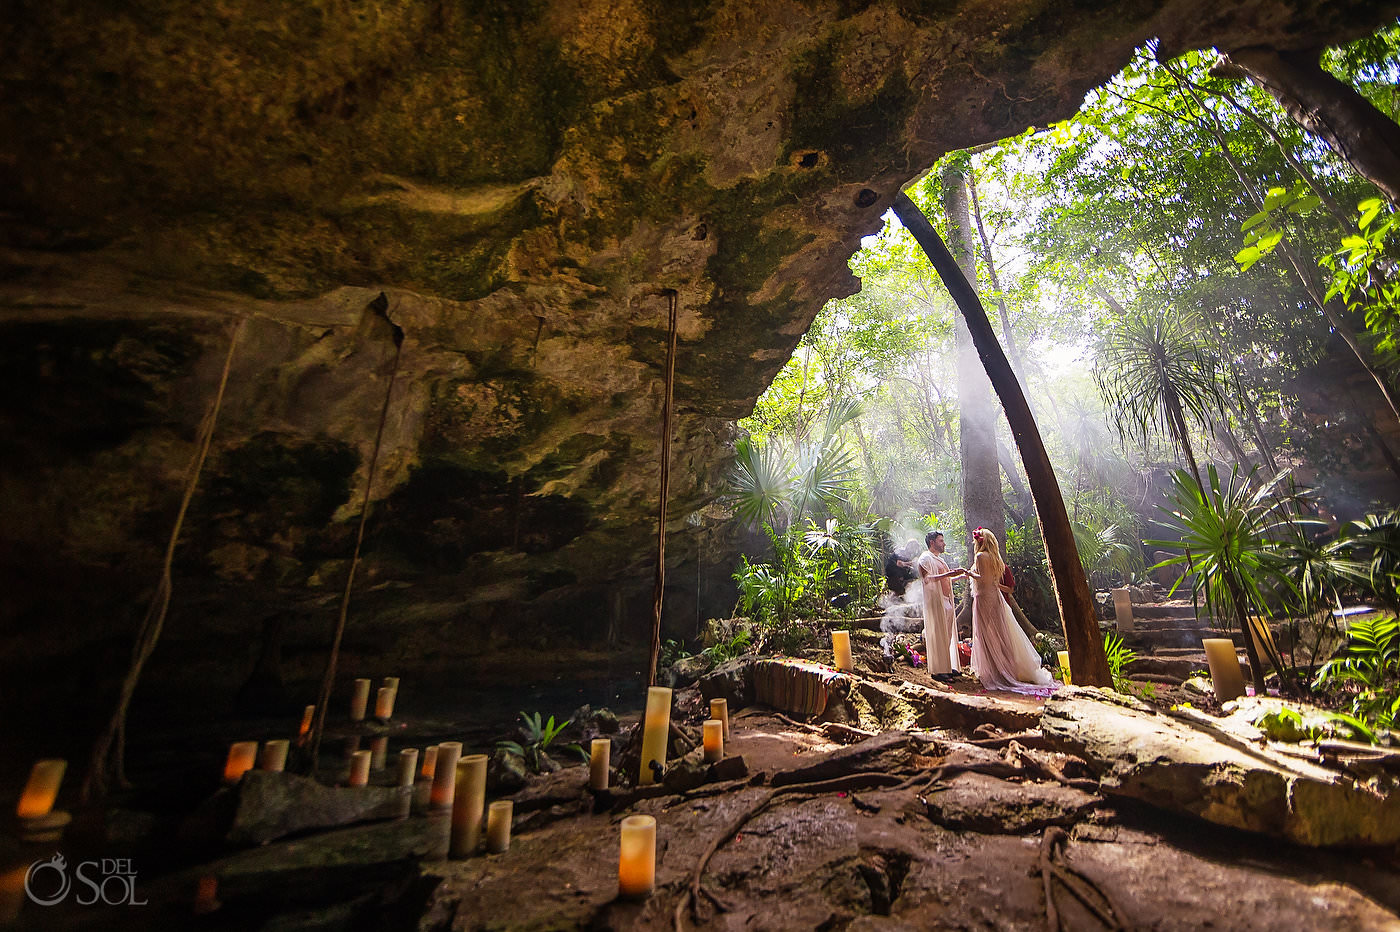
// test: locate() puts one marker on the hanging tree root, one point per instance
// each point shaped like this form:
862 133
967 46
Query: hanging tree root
108 760
1094 897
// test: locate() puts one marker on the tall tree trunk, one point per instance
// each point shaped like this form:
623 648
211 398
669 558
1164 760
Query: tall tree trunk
1334 316
1018 364
864 452
1013 477
1088 664
977 425
1326 107
1227 440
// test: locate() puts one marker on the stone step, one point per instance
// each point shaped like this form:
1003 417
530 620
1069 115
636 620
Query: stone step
1170 652
1154 610
1179 637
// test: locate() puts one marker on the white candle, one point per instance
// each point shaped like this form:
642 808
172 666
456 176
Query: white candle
408 766
429 762
242 755
841 647
1225 672
468 805
358 700
1123 609
384 703
498 817
445 775
636 863
714 740
392 682
42 789
308 716
1064 665
378 752
719 708
274 755
598 764
656 729
359 768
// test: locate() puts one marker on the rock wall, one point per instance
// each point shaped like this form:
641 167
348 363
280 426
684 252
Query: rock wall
517 189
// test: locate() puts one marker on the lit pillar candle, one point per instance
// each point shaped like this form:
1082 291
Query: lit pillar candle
351 746
468 805
841 647
1225 672
359 768
274 755
429 762
12 895
445 775
498 817
1064 666
206 895
598 764
656 728
719 708
636 863
308 716
392 682
378 752
42 789
384 703
714 740
242 755
359 699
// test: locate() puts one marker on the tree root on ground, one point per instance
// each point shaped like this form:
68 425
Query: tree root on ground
690 896
1094 897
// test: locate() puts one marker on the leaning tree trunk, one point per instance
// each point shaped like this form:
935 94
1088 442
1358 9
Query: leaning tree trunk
977 425
1088 664
1326 107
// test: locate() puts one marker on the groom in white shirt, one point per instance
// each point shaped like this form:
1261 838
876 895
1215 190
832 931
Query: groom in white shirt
940 629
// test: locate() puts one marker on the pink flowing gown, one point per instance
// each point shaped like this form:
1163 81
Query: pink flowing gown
1002 656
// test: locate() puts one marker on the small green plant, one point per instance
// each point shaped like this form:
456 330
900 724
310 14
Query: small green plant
1285 724
671 651
723 651
1368 666
537 735
1118 658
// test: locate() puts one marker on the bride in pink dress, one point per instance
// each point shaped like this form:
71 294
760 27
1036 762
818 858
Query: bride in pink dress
1002 656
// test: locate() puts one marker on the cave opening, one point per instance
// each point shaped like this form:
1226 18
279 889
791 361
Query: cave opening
424 259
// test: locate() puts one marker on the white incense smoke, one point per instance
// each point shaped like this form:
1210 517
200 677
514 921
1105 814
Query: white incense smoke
903 613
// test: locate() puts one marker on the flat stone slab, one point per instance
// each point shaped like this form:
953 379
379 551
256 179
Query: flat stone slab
271 805
980 803
1192 767
949 709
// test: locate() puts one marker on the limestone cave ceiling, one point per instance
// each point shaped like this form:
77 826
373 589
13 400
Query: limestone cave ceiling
523 180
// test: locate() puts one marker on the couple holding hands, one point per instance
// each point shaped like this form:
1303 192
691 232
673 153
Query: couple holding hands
1003 658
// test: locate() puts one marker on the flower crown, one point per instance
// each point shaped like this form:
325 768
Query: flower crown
977 534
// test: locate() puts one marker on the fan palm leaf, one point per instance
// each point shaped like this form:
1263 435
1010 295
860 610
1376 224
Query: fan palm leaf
1156 371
